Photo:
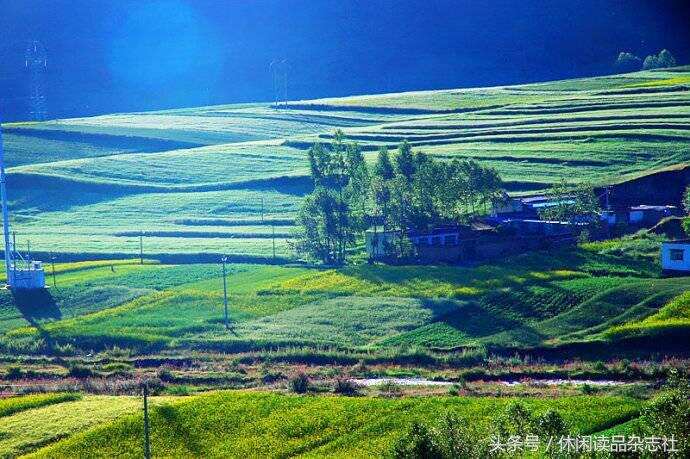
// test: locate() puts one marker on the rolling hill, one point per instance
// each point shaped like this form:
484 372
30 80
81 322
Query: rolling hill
224 179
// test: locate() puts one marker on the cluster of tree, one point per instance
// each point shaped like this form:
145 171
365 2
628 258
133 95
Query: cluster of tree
573 203
667 415
402 191
628 62
452 437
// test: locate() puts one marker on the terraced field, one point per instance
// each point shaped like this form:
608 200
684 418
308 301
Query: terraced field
523 302
223 179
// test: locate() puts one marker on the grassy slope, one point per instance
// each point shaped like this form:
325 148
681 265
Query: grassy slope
245 424
673 316
525 301
12 405
160 171
31 429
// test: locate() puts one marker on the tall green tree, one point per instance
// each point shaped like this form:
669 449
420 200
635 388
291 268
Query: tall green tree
666 59
358 190
324 221
628 62
573 203
381 186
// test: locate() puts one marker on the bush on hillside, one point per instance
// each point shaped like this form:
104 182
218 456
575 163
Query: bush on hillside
14 373
669 414
299 383
662 60
628 62
451 437
345 387
80 371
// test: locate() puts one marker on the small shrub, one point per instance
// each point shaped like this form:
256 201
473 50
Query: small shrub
638 391
588 389
299 383
599 366
64 349
80 371
118 352
14 373
518 420
269 376
156 386
549 424
390 389
417 443
165 374
669 414
180 390
117 367
454 390
345 387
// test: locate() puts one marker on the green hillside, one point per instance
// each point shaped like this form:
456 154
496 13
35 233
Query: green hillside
245 424
575 295
195 179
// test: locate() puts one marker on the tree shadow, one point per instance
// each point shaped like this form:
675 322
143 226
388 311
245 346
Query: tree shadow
36 305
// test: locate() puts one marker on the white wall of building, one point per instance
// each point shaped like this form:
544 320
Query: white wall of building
670 254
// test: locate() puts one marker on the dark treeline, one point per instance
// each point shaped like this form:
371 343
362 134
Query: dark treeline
404 190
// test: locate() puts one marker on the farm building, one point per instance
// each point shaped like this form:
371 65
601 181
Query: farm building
527 207
650 215
675 257
475 242
640 216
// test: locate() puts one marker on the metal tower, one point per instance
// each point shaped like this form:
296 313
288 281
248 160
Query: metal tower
279 69
36 64
21 273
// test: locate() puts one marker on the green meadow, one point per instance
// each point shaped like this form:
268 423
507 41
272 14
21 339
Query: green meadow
222 179
589 293
191 185
251 424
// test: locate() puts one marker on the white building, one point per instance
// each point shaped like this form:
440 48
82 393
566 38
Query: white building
675 256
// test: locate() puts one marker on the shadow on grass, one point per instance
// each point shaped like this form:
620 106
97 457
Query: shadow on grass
36 306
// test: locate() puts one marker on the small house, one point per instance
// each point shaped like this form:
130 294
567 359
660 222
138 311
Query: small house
527 227
527 207
675 257
650 215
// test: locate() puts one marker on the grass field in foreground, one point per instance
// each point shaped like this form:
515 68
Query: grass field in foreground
246 424
194 179
30 429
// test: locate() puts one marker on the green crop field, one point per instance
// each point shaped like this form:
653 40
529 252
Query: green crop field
246 424
190 185
528 300
222 179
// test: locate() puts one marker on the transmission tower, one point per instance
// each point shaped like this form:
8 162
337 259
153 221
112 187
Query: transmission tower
36 64
279 69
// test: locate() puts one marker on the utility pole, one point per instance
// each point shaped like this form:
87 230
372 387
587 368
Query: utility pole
225 293
147 440
141 248
14 249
